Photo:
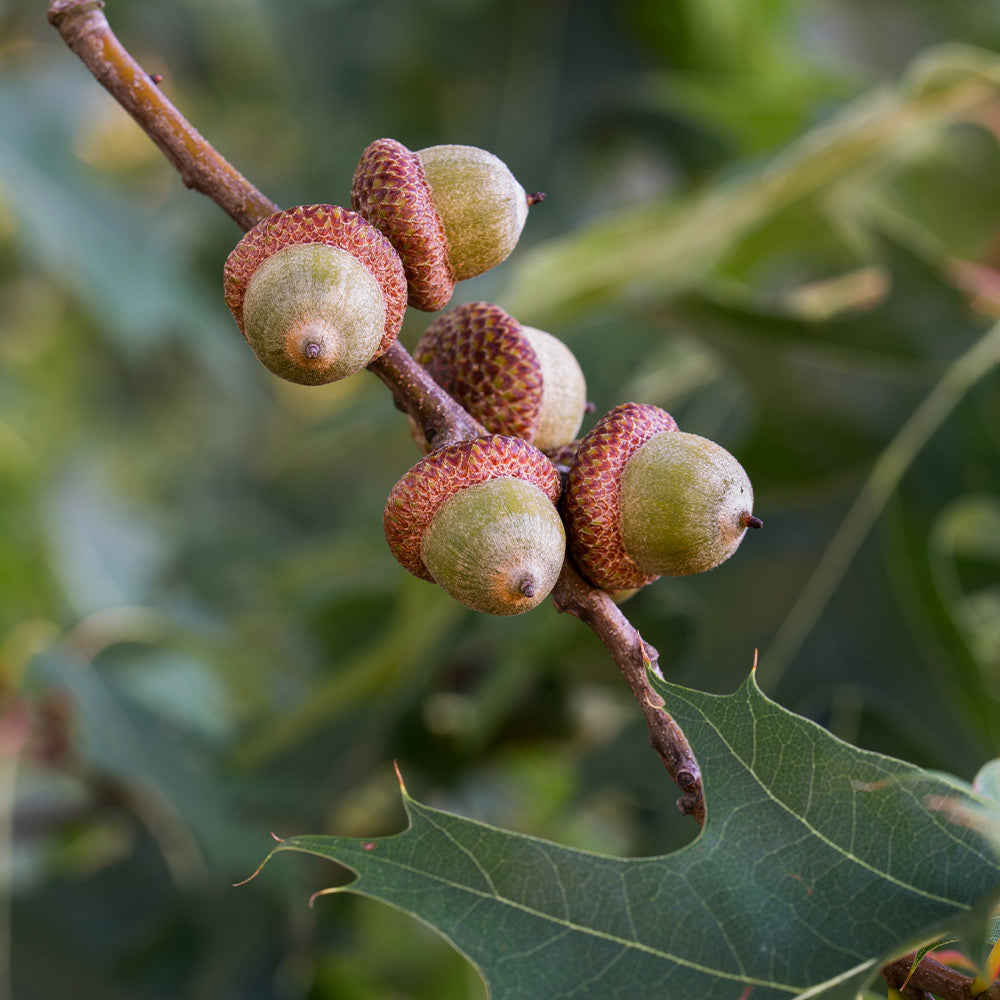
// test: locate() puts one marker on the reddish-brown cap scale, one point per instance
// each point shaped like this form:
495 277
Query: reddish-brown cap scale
591 503
415 499
390 190
333 226
479 356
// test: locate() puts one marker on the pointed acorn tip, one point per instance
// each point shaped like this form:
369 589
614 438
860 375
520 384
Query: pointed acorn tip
536 196
527 587
312 350
749 520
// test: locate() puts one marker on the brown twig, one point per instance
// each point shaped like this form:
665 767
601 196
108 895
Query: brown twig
443 421
636 658
85 29
933 978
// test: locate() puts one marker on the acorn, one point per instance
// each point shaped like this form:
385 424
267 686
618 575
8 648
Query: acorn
451 212
478 518
515 380
317 292
644 499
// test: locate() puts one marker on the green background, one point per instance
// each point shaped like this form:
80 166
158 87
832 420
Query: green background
203 637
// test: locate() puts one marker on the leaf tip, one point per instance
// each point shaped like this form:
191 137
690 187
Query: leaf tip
259 867
252 875
321 892
399 778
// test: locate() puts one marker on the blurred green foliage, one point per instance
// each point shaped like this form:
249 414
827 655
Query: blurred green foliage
203 637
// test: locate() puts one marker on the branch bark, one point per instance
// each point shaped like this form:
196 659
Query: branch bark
85 29
933 978
636 658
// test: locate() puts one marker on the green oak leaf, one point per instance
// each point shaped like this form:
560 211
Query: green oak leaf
818 862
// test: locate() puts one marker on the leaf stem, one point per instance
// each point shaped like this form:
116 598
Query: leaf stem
85 29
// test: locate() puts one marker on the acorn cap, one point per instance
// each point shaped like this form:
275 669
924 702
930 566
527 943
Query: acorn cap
330 225
513 379
591 503
390 189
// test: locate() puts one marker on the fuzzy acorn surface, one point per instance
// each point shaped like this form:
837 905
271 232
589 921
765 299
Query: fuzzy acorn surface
482 206
497 547
686 505
515 380
478 518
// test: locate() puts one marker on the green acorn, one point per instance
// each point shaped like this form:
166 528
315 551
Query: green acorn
317 292
451 212
644 499
478 518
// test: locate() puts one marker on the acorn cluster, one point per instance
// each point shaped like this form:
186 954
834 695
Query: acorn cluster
319 292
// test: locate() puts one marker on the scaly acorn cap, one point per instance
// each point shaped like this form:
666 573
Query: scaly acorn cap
591 503
451 212
317 292
478 518
644 500
515 380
